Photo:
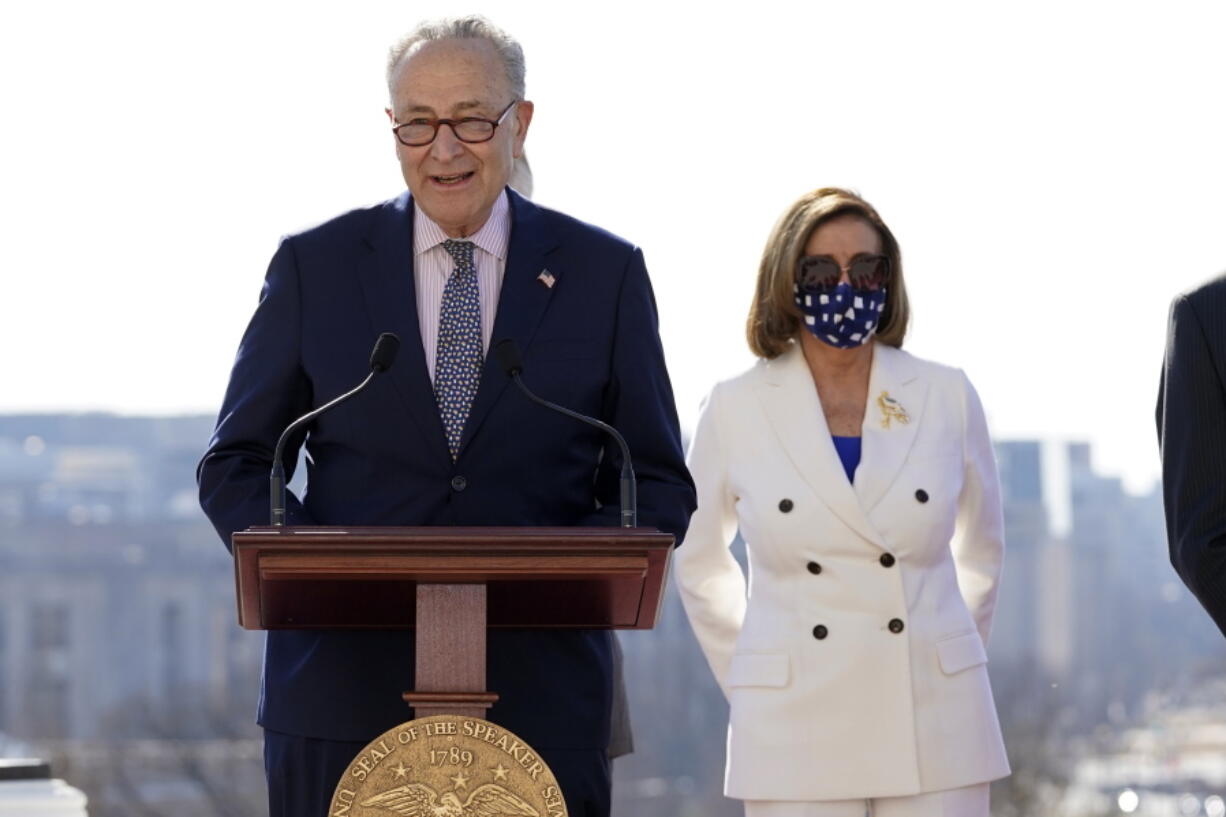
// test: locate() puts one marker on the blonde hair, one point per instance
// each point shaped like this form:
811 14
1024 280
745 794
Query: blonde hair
774 318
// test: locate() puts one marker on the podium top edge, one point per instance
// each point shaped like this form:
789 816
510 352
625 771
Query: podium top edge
455 530
302 534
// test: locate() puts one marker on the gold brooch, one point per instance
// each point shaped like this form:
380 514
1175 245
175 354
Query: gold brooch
891 409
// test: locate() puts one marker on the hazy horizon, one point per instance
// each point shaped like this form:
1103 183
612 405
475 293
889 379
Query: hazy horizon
1052 172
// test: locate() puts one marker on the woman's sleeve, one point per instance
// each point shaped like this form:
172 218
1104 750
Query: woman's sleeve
979 542
711 582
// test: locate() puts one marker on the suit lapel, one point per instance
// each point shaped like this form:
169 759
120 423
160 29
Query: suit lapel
521 303
386 275
790 401
895 392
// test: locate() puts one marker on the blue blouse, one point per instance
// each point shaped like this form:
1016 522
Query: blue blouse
849 454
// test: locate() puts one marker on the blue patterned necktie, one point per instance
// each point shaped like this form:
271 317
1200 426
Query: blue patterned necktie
457 362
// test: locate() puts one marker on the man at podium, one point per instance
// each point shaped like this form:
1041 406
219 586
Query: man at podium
457 261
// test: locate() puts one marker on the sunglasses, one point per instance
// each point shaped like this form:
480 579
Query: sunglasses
823 272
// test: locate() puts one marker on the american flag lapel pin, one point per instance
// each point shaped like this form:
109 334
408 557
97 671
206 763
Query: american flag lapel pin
546 278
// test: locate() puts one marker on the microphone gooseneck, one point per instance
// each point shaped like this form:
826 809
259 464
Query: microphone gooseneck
507 353
381 359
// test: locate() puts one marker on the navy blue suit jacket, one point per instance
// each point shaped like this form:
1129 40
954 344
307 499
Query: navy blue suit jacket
1192 435
589 342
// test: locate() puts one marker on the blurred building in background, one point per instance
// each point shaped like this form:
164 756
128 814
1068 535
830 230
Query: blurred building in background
120 659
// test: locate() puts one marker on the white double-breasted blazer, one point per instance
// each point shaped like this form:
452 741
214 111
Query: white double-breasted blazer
853 658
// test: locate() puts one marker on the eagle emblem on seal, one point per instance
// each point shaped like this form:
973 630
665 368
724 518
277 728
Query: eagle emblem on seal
419 800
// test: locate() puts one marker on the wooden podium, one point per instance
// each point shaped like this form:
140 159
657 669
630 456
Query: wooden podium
449 584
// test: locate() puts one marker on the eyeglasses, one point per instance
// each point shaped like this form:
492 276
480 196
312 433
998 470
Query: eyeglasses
471 129
823 272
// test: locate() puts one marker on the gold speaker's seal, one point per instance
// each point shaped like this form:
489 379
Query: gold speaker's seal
448 766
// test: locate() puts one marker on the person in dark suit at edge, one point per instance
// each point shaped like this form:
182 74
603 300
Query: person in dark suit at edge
1192 437
457 261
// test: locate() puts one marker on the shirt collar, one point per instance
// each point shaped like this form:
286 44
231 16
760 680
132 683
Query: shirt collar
493 237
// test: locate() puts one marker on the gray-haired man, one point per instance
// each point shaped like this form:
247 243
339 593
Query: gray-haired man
456 261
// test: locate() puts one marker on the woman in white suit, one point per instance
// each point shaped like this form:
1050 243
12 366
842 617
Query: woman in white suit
863 483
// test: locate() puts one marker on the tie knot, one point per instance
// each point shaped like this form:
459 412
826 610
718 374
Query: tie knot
460 251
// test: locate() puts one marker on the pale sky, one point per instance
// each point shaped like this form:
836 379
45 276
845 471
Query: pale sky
1053 172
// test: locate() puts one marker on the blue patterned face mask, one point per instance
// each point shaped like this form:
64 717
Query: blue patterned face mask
842 317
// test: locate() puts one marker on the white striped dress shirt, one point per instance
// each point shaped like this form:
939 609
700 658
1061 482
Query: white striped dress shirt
432 266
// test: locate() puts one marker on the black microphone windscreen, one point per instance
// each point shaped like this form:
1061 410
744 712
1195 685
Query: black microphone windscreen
507 351
384 354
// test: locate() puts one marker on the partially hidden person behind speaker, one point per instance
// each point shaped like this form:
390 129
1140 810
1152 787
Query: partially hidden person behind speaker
863 482
1192 435
456 261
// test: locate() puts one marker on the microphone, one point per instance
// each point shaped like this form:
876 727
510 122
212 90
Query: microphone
384 354
381 359
507 352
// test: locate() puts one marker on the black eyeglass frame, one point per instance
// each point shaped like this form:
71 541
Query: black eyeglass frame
438 123
877 276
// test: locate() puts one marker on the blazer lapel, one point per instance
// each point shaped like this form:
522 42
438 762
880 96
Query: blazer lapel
386 275
521 303
789 399
896 398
